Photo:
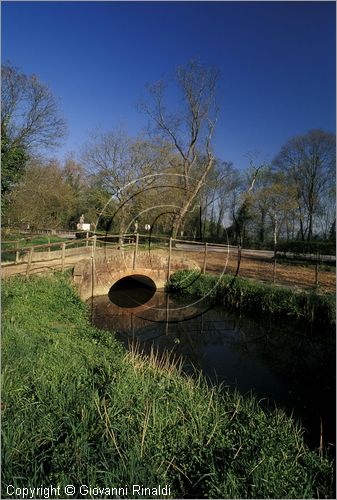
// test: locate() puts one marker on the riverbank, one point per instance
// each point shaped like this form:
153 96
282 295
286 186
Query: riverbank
78 409
249 296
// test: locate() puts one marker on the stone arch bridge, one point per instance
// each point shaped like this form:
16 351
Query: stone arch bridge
95 276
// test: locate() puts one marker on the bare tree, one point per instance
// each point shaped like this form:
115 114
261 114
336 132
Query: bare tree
122 167
29 124
189 130
29 115
216 196
309 162
327 212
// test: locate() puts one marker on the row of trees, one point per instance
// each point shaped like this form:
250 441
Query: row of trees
170 179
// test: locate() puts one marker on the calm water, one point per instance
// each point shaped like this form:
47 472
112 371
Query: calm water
279 363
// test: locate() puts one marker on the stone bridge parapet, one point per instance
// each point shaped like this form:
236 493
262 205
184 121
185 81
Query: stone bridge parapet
95 276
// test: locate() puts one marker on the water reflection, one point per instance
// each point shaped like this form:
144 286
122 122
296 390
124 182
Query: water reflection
277 362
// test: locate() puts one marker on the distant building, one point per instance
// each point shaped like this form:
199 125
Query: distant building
81 225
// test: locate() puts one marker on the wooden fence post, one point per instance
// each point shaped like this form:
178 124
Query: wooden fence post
87 239
167 315
275 254
205 259
29 261
93 274
169 260
135 252
121 241
93 247
316 272
17 252
63 256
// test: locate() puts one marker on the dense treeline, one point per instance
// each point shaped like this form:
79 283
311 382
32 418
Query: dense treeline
170 179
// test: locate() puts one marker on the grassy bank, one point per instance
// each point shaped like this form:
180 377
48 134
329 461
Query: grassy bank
255 297
78 409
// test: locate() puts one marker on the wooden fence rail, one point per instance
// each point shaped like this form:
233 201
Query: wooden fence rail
130 241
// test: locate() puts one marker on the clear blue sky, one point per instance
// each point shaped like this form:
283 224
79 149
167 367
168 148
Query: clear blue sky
277 61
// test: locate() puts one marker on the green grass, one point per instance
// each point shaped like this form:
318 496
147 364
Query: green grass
255 297
10 245
79 409
30 241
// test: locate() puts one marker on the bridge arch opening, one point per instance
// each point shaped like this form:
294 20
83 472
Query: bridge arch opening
132 291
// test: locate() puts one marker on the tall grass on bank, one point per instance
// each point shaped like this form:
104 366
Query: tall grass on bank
79 409
255 297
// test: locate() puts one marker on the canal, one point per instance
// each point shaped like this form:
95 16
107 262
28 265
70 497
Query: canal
278 361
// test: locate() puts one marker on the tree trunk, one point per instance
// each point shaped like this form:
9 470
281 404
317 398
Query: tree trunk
275 235
275 244
302 229
309 237
262 226
121 228
220 218
190 199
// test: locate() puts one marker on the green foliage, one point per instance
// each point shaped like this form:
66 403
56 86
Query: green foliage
243 214
255 297
13 160
78 409
42 198
27 241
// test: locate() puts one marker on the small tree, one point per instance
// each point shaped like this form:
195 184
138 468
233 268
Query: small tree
42 198
282 200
